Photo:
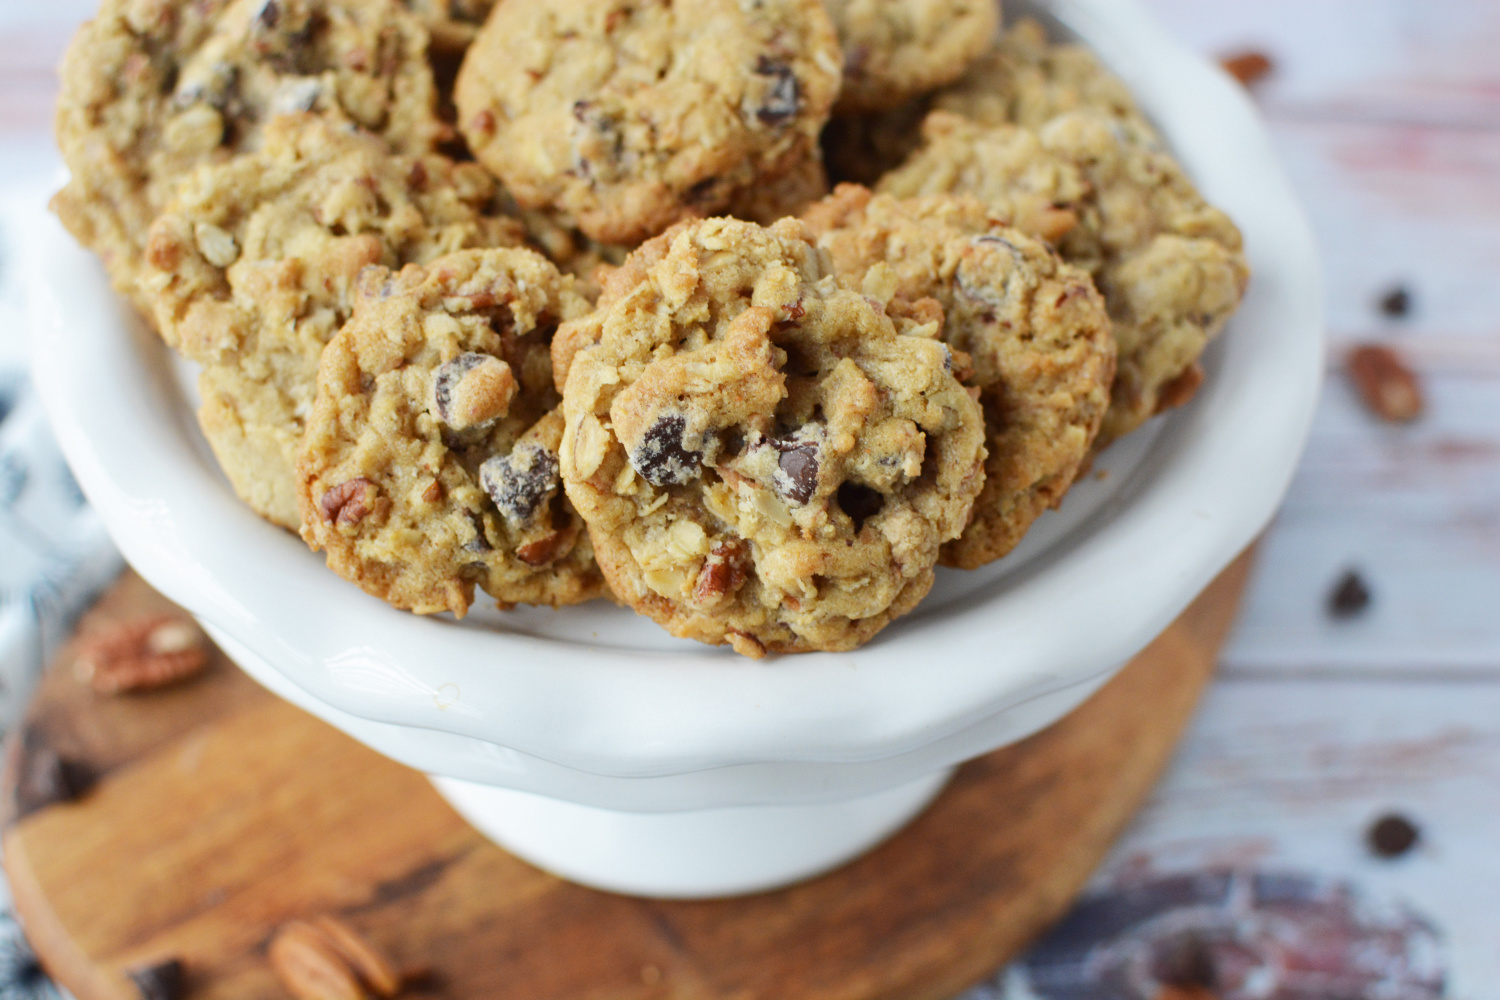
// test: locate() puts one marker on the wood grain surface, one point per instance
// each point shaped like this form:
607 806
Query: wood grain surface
218 811
1387 119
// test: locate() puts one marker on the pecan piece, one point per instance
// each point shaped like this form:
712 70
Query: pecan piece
348 503
140 655
1248 67
723 572
472 391
1388 387
310 966
326 959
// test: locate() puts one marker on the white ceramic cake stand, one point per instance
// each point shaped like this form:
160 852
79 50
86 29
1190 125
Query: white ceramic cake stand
591 743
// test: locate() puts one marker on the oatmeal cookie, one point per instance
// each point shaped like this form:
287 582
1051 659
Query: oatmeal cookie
1031 334
782 196
1025 80
625 116
153 88
898 49
251 269
430 459
453 24
1170 265
761 458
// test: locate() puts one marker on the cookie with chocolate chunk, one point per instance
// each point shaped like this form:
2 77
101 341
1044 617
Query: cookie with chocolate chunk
1031 332
153 88
623 117
430 462
762 458
251 270
1113 202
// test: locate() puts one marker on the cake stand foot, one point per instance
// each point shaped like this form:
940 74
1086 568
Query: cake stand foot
687 855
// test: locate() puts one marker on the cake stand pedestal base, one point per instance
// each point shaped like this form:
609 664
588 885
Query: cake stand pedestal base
214 811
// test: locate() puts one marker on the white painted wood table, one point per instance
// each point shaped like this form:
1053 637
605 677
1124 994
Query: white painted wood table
1387 114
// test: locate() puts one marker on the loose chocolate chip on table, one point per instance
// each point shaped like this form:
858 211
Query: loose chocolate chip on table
1185 961
44 778
520 482
662 458
1392 836
162 981
1396 302
1350 596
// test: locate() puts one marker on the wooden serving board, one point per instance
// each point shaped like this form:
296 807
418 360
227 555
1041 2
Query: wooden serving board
217 811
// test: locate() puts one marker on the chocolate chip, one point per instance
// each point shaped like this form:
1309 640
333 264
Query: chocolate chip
45 778
1396 302
797 465
162 981
269 14
1349 597
1185 961
662 458
783 97
860 502
1392 836
472 391
348 503
521 482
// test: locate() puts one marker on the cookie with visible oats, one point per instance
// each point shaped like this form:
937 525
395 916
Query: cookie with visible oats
153 88
430 459
1170 265
251 271
762 459
1026 80
1031 334
895 50
625 116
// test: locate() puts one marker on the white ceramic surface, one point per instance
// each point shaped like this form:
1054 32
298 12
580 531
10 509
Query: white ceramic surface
597 707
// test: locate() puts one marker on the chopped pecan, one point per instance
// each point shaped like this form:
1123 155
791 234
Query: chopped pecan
1180 389
348 503
326 959
544 549
723 572
1248 67
310 966
142 654
1388 387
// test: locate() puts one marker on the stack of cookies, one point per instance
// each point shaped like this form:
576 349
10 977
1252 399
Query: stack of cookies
553 299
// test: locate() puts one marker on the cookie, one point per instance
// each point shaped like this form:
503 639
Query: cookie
430 463
153 88
1170 265
782 196
453 24
762 459
1031 332
895 50
1025 80
251 271
625 116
